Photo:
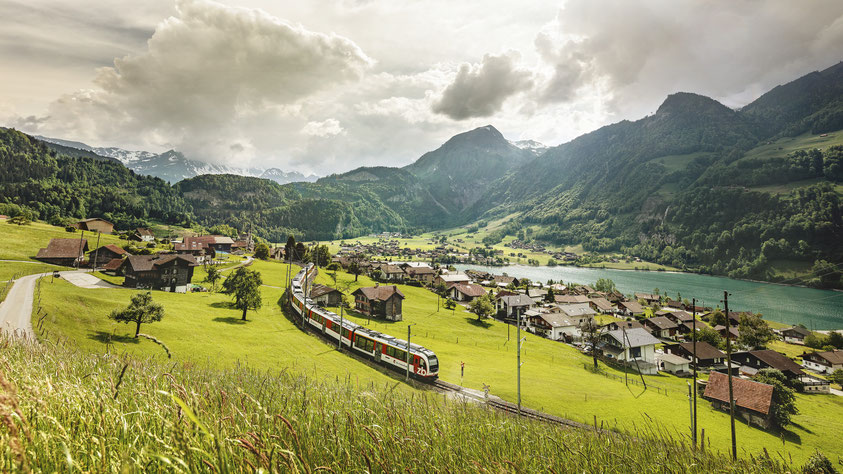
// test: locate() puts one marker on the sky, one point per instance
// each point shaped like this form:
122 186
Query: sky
325 86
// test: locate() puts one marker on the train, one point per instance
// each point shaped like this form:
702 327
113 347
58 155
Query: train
376 346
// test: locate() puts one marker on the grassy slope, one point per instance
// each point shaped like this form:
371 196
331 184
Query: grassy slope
198 327
554 380
183 418
23 242
11 270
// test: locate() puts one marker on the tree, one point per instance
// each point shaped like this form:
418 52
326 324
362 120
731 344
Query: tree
814 341
590 331
23 217
262 251
213 276
244 285
835 339
450 304
354 269
550 297
784 402
141 309
717 318
482 307
706 334
323 255
755 333
605 285
826 274
837 377
290 247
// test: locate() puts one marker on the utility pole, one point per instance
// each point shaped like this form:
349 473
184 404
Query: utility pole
694 324
79 254
520 341
97 252
729 371
408 351
339 339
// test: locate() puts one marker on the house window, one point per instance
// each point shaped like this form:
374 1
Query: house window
635 352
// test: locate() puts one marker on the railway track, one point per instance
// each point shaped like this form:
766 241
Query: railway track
512 408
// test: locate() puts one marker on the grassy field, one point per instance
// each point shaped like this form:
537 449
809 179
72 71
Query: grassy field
11 270
554 380
678 162
786 145
23 242
72 411
198 328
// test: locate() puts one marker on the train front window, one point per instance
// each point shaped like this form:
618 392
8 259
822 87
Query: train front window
434 363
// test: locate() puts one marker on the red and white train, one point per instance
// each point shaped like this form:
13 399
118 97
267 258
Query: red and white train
381 348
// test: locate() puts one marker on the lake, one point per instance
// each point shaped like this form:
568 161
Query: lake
816 309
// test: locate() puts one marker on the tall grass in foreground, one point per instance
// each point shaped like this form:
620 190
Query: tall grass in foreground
65 410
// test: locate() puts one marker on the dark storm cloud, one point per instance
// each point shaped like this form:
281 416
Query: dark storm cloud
480 91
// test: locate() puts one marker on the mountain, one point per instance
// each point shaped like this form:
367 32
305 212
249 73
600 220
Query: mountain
284 177
171 166
459 172
532 146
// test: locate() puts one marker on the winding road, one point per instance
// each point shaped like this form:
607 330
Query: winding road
16 309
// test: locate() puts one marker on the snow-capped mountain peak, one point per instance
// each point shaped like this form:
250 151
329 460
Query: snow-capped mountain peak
532 146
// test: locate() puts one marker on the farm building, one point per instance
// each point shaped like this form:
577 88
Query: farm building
167 272
96 225
67 252
380 301
753 400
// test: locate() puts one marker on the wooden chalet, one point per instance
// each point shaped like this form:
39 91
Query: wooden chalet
325 295
379 301
466 292
95 224
166 272
753 400
795 334
661 326
101 256
66 252
707 355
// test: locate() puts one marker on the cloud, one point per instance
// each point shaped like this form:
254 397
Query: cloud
205 71
480 90
323 129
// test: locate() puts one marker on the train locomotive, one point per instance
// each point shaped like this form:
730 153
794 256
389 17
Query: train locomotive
376 346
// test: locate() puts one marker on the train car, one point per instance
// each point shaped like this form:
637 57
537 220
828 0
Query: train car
381 348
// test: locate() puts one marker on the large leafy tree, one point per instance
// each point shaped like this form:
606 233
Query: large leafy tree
605 284
213 276
244 286
482 307
755 333
784 401
262 251
141 309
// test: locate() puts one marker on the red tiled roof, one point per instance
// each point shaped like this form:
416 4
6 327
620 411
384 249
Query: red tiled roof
380 293
63 248
113 248
748 394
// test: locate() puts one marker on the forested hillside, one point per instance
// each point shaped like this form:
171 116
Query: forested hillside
56 187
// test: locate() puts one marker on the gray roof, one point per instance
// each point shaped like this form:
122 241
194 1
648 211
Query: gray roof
557 320
673 359
517 300
636 337
579 309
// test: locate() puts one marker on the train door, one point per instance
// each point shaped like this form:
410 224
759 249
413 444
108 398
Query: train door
378 349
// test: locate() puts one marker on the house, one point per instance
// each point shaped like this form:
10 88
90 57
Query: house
167 272
538 295
113 266
95 224
637 347
143 235
513 306
465 291
661 326
630 308
392 272
601 305
325 295
200 251
679 317
674 304
380 301
423 274
570 299
673 364
101 256
648 298
733 332
707 355
220 243
823 362
451 279
615 325
66 252
579 311
753 400
795 334
555 326
505 280
769 359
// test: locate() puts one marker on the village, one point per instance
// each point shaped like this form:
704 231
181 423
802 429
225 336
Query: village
642 333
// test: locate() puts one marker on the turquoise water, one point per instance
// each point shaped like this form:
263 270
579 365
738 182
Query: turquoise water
816 309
